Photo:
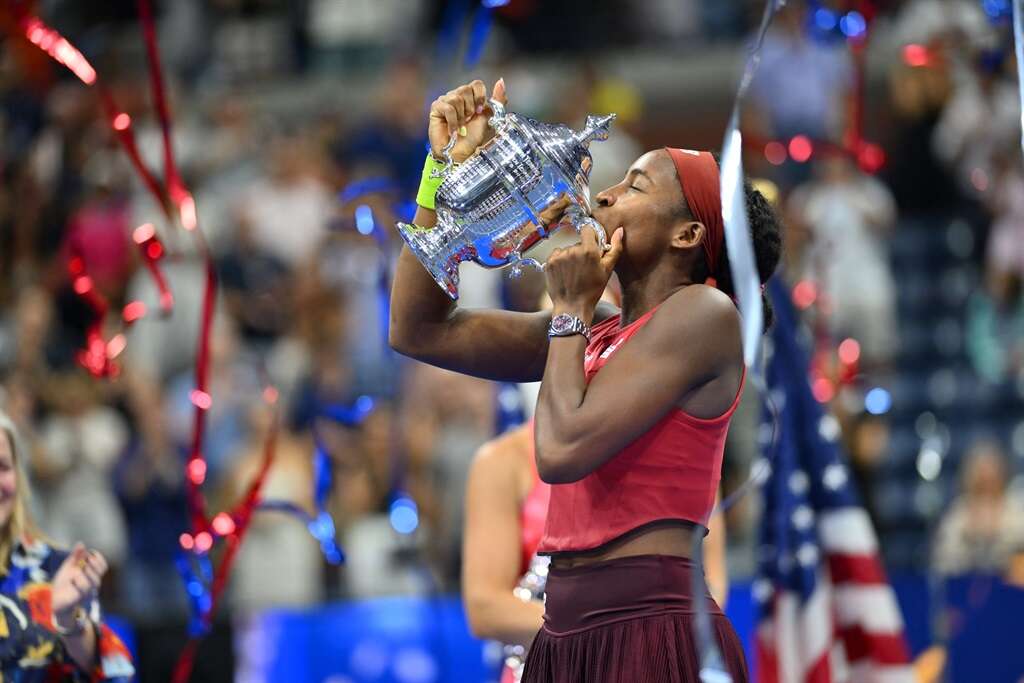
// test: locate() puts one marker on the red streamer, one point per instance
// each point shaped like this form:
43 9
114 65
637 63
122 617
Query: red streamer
236 524
152 251
175 187
95 357
98 354
196 467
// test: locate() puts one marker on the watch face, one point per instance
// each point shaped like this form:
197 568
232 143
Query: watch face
561 323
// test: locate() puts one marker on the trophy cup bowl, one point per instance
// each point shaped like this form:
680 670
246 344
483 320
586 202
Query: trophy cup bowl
496 205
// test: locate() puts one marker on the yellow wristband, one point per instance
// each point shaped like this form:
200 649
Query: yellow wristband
428 183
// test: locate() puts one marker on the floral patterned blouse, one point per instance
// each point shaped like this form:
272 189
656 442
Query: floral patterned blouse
30 650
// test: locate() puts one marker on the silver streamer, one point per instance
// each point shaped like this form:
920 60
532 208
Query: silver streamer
1018 46
747 285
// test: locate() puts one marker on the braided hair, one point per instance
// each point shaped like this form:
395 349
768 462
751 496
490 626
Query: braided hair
766 237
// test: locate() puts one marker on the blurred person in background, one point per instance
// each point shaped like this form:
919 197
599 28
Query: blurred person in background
232 384
279 565
995 328
50 624
161 347
82 439
151 487
506 508
980 120
372 468
288 209
448 416
25 332
391 136
1005 251
917 95
847 217
592 92
356 266
256 287
868 443
816 77
983 530
669 205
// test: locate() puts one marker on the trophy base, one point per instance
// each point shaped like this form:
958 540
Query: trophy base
429 247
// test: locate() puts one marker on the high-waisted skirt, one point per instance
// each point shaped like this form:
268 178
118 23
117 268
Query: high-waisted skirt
628 620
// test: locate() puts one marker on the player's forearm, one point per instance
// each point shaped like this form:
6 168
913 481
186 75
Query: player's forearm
419 308
558 419
504 617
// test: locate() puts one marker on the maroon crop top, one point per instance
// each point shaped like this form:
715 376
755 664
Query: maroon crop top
670 473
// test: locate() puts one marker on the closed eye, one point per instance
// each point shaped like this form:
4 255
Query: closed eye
634 187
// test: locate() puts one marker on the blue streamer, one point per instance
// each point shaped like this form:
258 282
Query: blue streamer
350 416
196 571
404 209
373 185
321 525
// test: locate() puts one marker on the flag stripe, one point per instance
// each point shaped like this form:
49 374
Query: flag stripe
883 648
821 672
862 569
847 531
816 624
867 673
767 663
872 607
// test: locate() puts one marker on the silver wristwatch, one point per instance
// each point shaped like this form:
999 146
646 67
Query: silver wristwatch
565 325
81 623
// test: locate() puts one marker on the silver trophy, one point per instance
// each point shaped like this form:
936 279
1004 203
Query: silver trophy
489 208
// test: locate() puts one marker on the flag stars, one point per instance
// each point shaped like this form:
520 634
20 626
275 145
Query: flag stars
803 518
799 483
834 477
760 470
762 590
828 428
807 555
778 399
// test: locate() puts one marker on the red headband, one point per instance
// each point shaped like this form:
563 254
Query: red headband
698 178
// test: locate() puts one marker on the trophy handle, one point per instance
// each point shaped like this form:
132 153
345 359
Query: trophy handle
497 120
447 154
578 220
520 263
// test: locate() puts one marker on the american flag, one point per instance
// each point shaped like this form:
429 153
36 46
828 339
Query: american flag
826 612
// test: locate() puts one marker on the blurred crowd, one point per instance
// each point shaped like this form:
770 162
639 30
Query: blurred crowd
299 181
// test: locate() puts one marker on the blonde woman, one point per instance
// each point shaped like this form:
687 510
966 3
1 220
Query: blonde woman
50 626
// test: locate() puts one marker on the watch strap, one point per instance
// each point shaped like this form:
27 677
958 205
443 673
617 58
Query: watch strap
565 325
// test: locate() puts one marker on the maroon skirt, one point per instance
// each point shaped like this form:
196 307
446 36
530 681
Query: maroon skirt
629 620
